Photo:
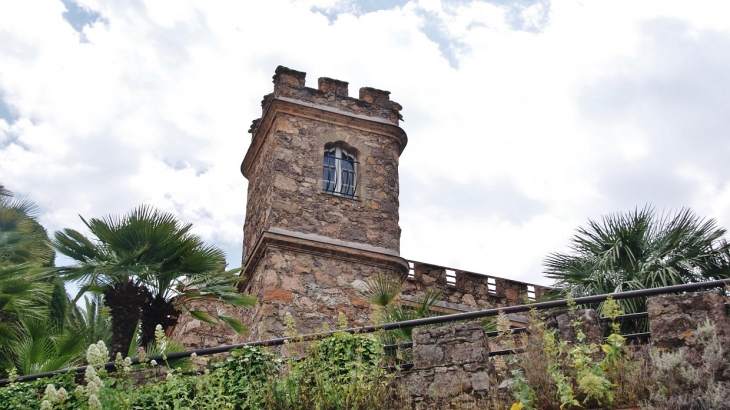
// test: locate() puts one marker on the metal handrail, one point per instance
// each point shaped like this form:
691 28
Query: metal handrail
413 323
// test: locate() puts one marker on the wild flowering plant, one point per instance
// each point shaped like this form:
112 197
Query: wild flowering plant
554 373
52 397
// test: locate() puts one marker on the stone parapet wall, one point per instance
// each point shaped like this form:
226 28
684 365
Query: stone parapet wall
566 322
468 290
448 362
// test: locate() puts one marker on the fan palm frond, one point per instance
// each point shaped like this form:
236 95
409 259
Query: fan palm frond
157 259
639 250
383 287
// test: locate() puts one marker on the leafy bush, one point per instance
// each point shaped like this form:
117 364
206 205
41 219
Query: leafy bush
340 372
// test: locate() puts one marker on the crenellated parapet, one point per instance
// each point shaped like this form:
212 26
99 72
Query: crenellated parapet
290 84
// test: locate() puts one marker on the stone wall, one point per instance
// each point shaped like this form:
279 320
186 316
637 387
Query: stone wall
562 322
673 321
297 202
314 279
314 289
448 362
451 362
466 291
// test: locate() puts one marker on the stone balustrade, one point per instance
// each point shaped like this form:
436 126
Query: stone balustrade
464 291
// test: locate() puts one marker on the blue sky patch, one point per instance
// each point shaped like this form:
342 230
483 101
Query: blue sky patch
435 30
370 6
517 16
358 7
79 17
6 112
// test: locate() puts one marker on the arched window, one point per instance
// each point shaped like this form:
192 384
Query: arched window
339 172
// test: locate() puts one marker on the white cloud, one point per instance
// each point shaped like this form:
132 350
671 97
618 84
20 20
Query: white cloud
554 112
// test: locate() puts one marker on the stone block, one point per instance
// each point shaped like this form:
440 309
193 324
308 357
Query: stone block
374 96
448 361
511 294
359 302
285 76
562 321
426 356
448 381
279 295
468 299
285 183
332 86
301 266
292 283
673 321
455 344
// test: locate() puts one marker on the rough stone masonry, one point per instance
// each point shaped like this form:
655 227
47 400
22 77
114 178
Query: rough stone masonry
309 253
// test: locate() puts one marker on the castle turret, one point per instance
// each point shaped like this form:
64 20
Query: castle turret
322 209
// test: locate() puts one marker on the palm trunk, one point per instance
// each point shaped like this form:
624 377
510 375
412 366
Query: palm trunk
125 303
157 311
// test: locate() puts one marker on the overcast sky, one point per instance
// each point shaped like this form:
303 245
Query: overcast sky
525 118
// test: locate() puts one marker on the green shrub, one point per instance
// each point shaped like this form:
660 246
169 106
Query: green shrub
557 374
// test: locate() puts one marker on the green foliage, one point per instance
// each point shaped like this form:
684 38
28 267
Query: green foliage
639 250
39 347
161 346
29 395
343 354
149 267
557 374
22 238
383 288
341 372
92 321
58 305
24 290
24 251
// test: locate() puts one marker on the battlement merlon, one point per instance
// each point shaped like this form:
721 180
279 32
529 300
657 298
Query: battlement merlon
332 93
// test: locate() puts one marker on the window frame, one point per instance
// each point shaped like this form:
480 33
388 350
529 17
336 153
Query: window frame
334 163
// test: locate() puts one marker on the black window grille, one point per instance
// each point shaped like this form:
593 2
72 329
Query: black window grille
339 173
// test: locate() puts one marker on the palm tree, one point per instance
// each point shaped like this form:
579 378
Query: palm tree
639 250
22 238
173 295
92 320
23 292
148 266
382 291
25 279
40 347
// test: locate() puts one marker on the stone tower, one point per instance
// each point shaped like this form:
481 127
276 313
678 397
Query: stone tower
322 211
